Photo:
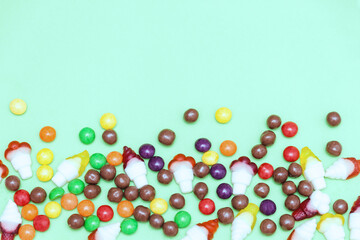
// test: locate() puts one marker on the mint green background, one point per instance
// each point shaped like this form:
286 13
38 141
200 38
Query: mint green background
147 62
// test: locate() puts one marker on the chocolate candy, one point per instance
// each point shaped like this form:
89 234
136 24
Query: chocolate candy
262 189
108 172
122 181
334 148
239 202
166 137
267 227
170 228
267 138
131 193
333 118
38 195
201 170
115 195
164 176
141 213
258 151
75 221
147 193
92 177
289 187
287 222
156 221
12 183
92 191
177 201
191 115
273 121
280 175
340 206
305 188
109 136
225 215
292 202
201 190
295 170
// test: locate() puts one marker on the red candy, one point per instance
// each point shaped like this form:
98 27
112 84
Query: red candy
105 213
206 206
291 154
41 223
265 171
289 129
21 197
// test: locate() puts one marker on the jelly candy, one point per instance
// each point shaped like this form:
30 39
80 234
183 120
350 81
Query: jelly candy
305 231
10 221
332 226
317 203
242 171
244 222
134 167
344 168
182 168
19 156
4 171
205 230
313 169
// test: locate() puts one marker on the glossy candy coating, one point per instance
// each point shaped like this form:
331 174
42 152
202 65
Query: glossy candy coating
147 193
108 172
41 223
239 202
97 160
114 158
109 136
273 121
52 209
182 219
156 163
287 222
268 138
29 212
295 170
268 227
177 201
292 202
280 175
289 187
18 106
156 221
92 223
92 191
146 151
27 232
170 228
262 190
125 209
76 186
266 171
334 148
228 148
21 197
92 177
267 207
333 118
12 183
201 170
141 213
131 193
223 115
47 134
289 129
258 151
86 208
291 154
129 226
38 195
202 145
200 190
105 213
218 171
115 195
122 181
69 201
45 156
87 135
191 115
75 221
340 206
44 173
108 121
224 191
206 206
166 137
210 158
158 206
225 215
164 176
57 192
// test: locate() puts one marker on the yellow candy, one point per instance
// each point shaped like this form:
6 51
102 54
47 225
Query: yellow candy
52 209
18 106
44 173
45 156
210 158
223 115
108 121
158 206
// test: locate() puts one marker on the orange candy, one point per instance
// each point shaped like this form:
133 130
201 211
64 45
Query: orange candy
114 158
125 209
228 148
26 232
69 201
86 208
29 212
47 134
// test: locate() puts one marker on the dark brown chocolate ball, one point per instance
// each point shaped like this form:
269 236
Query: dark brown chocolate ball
131 193
239 202
273 121
201 190
340 206
201 170
333 118
38 195
12 183
122 181
75 221
166 137
170 228
147 193
280 175
177 201
191 115
292 202
289 187
305 188
295 170
156 221
109 136
141 213
258 151
164 176
115 195
225 215
267 138
334 148
108 172
92 191
267 227
92 177
287 222
262 189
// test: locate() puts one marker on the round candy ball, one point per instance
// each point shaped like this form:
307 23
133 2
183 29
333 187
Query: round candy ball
218 171
129 226
21 197
18 106
75 221
12 183
266 171
267 207
289 129
158 206
105 213
76 186
29 212
156 221
225 215
41 223
156 163
224 191
125 209
207 206
201 170
114 158
97 160
38 195
223 115
47 134
268 227
108 121
291 154
92 223
273 121
210 158
202 145
228 148
69 201
170 229
333 118
146 151
166 137
86 208
44 173
340 206
52 209
109 136
182 219
45 156
87 135
258 151
26 232
334 148
191 115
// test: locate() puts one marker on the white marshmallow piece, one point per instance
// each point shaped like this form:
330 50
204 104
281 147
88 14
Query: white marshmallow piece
354 225
11 216
335 232
21 161
196 233
108 232
240 229
315 173
305 231
340 169
241 178
184 176
319 201
67 171
136 170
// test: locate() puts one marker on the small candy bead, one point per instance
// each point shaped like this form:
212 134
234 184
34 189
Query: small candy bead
92 223
202 145
289 129
29 212
87 135
129 226
156 163
97 160
86 208
105 213
265 171
210 158
146 151
18 106
26 232
45 156
228 148
207 206
158 206
44 173
76 186
223 115
182 219
291 154
47 134
57 192
69 201
52 209
41 223
108 121
21 197
114 158
125 209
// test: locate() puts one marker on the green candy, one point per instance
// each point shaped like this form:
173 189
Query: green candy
76 186
129 226
92 223
97 160
182 219
57 192
87 135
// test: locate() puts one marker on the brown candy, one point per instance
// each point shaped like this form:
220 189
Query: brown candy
268 227
305 188
287 222
108 172
334 148
191 115
289 187
92 177
340 206
333 118
122 181
292 202
92 191
109 136
12 183
164 176
147 193
258 151
239 202
141 213
38 195
166 137
295 170
177 201
201 190
273 121
170 228
225 215
156 221
267 138
75 221
262 189
280 175
115 195
131 193
201 170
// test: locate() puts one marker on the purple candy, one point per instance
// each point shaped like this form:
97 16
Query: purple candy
267 207
146 151
156 163
202 145
224 191
218 171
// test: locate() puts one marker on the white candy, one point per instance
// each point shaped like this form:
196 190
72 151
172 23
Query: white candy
108 232
354 225
196 233
305 231
184 176
314 173
21 161
340 169
319 201
11 216
240 229
335 232
136 170
241 178
67 171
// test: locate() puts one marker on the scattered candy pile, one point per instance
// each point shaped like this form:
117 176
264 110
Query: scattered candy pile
182 169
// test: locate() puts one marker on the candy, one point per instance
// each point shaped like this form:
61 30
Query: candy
242 171
26 232
291 154
268 227
114 158
38 195
206 206
205 230
280 175
125 209
108 232
75 221
21 197
343 168
134 167
289 129
333 119
332 226
201 170
76 186
182 168
340 206
268 138
115 195
334 148
267 207
19 156
147 193
18 106
44 173
12 183
158 206
313 169
57 192
244 222
47 134
177 201
108 121
86 208
69 201
92 177
122 181
292 202
10 221
52 209
45 156
129 226
262 190
97 160
202 145
191 115
258 151
210 158
289 187
317 203
131 193
92 191
156 163
87 135
305 188
166 137
156 221
295 170
225 215
354 220
108 172
223 115
109 136
228 148
218 171
224 191
4 171
170 228
71 168
239 202
41 223
182 219
29 212
201 190
146 151
265 171
105 213
92 223
287 222
141 213
304 231
164 176
273 121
